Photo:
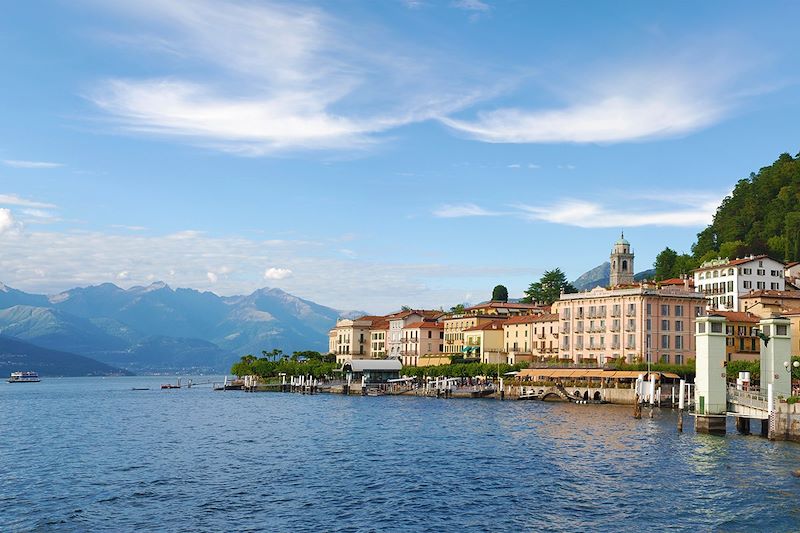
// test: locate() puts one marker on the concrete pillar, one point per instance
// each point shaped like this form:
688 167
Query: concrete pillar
775 354
710 384
743 425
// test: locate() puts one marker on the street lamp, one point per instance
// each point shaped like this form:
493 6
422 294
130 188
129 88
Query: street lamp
795 364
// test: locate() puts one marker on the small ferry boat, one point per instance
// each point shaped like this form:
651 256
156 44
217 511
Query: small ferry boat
172 386
24 377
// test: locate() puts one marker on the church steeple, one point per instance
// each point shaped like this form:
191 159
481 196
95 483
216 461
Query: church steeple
621 263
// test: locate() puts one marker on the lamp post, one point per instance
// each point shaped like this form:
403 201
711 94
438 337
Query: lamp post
795 364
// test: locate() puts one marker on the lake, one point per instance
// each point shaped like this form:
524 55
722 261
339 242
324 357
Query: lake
90 454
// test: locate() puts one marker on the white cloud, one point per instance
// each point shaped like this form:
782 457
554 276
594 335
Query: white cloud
277 273
586 214
652 100
129 228
7 221
533 166
462 210
79 258
514 165
123 275
294 78
13 199
18 163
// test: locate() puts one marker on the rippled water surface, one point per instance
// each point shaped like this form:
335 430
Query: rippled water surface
92 454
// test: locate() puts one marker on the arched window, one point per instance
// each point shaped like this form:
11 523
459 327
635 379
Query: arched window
624 265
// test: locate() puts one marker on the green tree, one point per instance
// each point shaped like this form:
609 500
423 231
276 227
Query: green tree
457 309
549 288
500 294
665 264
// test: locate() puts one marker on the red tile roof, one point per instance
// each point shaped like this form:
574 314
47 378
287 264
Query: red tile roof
772 294
529 319
505 305
493 325
792 264
737 316
427 313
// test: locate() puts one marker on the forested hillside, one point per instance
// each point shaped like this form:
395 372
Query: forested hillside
761 216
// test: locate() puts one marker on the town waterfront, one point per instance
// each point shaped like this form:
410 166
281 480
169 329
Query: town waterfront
93 454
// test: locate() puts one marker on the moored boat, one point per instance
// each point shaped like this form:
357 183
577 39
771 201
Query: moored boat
24 377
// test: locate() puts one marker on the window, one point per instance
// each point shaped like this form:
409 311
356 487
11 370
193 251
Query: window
774 286
730 271
678 359
698 310
678 310
665 325
649 325
761 284
649 309
665 310
665 358
665 341
679 325
748 284
747 271
761 272
678 342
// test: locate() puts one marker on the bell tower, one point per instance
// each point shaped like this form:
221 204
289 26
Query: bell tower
621 263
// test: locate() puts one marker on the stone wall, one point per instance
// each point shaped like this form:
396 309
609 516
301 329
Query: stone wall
786 422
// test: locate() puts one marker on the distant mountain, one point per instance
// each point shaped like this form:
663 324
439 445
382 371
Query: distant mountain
17 355
158 328
599 277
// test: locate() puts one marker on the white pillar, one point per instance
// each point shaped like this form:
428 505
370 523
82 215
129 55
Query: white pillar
652 392
711 394
681 395
770 398
775 354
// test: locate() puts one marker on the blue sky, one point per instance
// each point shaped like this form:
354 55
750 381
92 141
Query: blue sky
368 155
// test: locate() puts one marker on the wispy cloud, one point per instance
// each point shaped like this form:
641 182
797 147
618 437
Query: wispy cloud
462 210
295 78
590 214
13 199
653 100
18 163
129 228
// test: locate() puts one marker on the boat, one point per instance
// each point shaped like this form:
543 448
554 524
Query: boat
24 377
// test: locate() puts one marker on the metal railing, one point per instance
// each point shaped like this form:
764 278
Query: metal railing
750 398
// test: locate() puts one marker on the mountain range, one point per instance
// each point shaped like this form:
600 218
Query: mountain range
600 275
17 355
160 329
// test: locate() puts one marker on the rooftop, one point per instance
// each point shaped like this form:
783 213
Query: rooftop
530 319
772 294
493 325
721 263
737 316
425 325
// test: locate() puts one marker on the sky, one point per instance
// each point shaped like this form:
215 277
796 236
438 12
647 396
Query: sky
369 155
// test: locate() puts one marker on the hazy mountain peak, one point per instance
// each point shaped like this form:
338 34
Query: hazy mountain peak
3 287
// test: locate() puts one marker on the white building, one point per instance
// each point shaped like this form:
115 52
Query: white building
723 281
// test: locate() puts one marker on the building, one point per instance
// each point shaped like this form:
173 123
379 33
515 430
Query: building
455 327
378 332
531 338
792 273
742 343
630 323
794 329
504 309
723 282
371 371
398 321
351 338
770 303
421 339
485 342
621 272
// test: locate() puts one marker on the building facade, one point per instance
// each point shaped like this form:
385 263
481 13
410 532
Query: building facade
723 282
531 338
635 324
398 321
351 338
421 339
770 303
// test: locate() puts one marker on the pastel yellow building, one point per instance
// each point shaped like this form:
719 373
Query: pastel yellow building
351 338
485 342
454 328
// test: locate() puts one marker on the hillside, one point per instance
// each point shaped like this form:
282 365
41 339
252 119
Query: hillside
762 215
18 355
157 328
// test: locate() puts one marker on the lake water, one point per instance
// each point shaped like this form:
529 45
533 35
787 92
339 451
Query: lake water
91 454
